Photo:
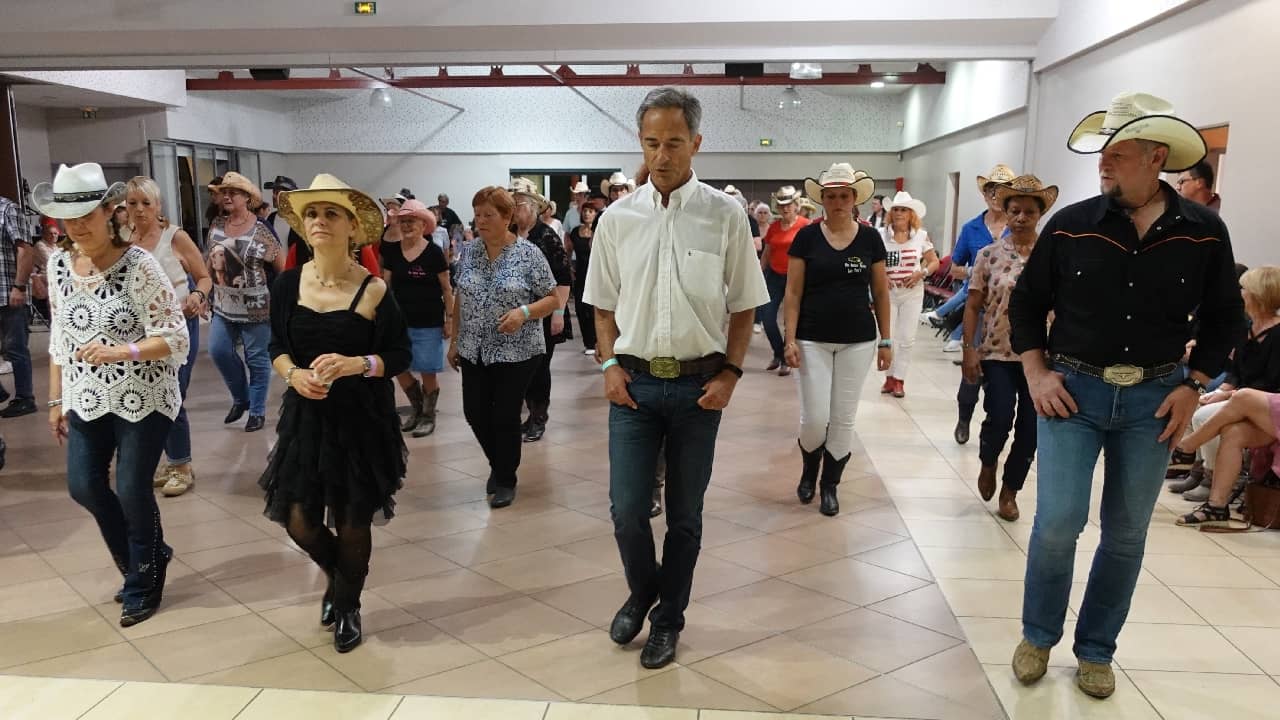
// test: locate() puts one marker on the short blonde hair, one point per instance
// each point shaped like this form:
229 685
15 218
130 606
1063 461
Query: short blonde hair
1263 283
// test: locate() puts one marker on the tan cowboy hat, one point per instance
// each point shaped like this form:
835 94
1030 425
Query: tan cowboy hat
235 181
617 178
785 195
1027 186
841 175
327 188
904 199
524 186
1139 116
75 192
1000 174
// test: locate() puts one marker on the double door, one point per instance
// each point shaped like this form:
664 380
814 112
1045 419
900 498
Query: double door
184 170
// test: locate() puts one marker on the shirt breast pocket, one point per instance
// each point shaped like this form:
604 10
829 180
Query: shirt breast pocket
702 274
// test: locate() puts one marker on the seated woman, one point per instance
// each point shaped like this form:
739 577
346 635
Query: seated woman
1230 419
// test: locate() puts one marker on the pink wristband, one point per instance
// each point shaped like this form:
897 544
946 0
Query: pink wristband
134 351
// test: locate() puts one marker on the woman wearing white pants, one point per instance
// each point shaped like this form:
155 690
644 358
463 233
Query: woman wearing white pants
909 259
835 277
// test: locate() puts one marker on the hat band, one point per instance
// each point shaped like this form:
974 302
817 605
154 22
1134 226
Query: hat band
79 197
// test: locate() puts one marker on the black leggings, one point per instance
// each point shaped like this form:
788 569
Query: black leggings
343 557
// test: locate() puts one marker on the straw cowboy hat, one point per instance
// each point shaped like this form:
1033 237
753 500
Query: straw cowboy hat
617 179
841 175
75 192
327 188
1027 186
1139 116
1000 174
412 208
904 199
235 181
524 186
580 188
785 195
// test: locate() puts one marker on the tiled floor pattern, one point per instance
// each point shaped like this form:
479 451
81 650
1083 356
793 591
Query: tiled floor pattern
791 611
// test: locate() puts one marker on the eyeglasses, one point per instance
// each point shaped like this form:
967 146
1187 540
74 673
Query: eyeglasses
1181 181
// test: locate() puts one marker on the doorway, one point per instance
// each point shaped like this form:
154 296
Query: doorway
951 219
554 184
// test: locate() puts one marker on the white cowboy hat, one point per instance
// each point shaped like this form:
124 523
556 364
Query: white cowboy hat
75 192
525 187
785 195
731 190
1000 174
904 199
1139 116
841 175
1027 186
581 187
617 178
327 188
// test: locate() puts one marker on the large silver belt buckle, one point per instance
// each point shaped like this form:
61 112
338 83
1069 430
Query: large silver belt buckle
1122 375
664 368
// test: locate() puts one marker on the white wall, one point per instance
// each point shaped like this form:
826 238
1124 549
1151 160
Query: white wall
33 144
1082 25
1198 60
974 93
116 136
970 153
247 120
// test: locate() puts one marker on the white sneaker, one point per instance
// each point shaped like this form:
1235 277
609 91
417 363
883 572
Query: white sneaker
951 346
930 318
757 329
589 352
6 368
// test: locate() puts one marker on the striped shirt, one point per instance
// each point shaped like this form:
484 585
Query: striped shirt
903 259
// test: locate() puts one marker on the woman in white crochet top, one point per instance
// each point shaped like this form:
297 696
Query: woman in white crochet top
117 338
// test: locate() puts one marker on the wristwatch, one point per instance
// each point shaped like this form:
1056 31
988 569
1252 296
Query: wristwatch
733 369
886 343
1194 384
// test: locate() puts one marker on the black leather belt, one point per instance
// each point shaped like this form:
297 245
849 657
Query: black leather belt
1118 375
671 368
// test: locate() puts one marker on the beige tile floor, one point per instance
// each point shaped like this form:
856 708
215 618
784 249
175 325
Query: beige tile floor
904 606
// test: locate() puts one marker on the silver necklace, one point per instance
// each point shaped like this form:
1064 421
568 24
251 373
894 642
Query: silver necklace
336 281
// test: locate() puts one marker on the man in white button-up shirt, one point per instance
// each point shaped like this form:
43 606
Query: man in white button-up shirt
668 262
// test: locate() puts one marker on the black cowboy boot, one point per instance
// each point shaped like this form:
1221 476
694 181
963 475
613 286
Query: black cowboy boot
155 573
347 633
811 463
832 469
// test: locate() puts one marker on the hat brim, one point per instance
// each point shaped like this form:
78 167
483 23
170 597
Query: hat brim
916 206
863 188
539 202
365 210
420 214
43 200
1048 195
1186 146
984 181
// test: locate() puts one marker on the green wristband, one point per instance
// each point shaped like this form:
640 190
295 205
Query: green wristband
608 364
525 310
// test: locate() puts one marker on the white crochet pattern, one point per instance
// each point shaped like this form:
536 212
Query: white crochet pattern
127 303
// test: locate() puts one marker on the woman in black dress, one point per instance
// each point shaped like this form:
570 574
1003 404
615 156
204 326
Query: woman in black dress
578 243
337 338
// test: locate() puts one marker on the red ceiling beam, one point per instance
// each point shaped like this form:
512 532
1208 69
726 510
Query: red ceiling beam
924 75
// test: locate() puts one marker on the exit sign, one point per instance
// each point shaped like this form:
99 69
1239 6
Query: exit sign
766 142
366 8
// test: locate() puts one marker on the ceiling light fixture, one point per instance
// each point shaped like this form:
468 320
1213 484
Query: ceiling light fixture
877 84
380 98
790 99
806 71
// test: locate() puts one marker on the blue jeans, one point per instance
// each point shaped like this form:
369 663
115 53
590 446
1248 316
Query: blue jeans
777 285
1009 408
223 335
1121 423
668 412
15 332
956 302
178 447
128 517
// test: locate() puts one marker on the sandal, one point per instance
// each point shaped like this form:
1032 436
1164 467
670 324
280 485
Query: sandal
1206 514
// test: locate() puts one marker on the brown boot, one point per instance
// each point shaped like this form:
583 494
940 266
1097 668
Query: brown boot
987 482
1008 504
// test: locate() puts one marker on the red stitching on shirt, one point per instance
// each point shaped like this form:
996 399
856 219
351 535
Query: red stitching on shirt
1083 235
1180 237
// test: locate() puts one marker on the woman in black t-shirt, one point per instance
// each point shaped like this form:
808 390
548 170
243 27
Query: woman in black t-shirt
837 296
418 274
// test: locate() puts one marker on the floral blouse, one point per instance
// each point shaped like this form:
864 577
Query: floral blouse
489 289
127 303
995 273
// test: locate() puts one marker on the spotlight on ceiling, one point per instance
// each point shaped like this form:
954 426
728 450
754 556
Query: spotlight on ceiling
790 99
380 98
806 71
877 84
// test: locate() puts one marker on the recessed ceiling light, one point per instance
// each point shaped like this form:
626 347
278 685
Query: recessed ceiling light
877 84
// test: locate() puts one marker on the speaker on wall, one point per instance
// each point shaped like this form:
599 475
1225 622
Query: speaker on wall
264 74
743 69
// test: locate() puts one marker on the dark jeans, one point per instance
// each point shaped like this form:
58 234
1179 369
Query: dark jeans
777 285
1009 408
967 399
14 326
668 412
538 395
178 447
491 400
586 318
128 517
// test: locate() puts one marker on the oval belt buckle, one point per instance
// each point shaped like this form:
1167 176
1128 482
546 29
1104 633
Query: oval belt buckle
664 368
1122 375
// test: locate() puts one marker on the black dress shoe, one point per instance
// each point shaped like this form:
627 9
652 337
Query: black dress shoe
328 615
255 423
236 412
629 620
346 633
962 432
655 508
502 497
660 650
18 408
535 432
490 485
